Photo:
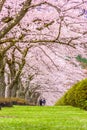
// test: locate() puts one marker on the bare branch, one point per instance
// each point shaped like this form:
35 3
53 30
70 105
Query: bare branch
1 4
18 49
59 32
8 47
48 67
49 58
47 3
74 7
8 40
44 42
16 20
13 39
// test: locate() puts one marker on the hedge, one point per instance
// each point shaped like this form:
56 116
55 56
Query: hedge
9 102
75 96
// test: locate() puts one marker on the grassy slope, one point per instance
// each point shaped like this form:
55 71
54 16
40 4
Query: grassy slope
43 118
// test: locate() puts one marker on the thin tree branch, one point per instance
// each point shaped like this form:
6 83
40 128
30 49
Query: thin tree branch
59 32
16 20
49 58
8 47
46 3
1 4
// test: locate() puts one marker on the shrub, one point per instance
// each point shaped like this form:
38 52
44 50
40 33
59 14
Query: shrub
18 101
75 96
5 102
9 102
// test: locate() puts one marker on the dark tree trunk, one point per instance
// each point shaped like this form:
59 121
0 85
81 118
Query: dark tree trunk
15 75
2 79
2 85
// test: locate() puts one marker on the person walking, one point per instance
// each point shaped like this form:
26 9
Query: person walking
40 102
44 102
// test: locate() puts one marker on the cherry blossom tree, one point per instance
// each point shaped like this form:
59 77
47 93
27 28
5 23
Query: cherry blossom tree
32 23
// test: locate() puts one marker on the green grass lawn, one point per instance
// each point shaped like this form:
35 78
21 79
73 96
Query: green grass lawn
43 118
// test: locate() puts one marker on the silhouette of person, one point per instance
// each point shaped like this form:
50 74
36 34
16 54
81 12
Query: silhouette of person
40 102
44 102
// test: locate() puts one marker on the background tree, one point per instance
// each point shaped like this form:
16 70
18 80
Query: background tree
32 23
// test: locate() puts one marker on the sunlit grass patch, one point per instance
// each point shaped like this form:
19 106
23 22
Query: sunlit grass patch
43 118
